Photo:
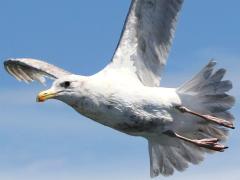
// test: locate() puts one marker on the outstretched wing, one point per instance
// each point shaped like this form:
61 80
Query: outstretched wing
28 70
146 39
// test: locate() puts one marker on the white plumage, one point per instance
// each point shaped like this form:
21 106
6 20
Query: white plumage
180 124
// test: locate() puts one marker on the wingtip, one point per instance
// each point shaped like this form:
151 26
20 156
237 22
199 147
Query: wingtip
5 64
7 61
212 62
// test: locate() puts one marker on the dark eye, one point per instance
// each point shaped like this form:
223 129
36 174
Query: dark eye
65 84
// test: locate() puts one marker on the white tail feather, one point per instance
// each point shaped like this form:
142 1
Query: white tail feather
205 93
172 154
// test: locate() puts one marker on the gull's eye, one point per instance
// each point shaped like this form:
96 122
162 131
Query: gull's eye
65 84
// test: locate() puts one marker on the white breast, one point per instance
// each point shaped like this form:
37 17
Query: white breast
127 108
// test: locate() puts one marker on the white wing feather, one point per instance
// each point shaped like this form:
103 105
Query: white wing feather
28 70
146 39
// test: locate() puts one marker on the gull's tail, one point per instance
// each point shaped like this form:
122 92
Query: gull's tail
206 93
167 154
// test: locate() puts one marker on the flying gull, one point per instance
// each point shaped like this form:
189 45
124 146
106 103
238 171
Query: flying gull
180 124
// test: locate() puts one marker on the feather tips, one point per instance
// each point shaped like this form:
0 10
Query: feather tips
29 70
146 39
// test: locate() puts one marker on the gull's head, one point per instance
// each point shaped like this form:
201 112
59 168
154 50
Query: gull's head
63 89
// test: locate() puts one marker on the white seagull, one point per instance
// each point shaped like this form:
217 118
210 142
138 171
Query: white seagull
180 124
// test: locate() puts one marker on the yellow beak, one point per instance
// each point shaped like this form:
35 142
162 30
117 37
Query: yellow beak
45 95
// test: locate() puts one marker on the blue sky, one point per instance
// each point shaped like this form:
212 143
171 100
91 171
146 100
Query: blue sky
51 141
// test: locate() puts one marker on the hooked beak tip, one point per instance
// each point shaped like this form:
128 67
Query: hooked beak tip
39 99
45 95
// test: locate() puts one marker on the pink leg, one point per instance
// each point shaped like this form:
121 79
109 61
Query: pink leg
211 143
219 121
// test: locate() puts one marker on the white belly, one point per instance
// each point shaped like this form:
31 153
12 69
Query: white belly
133 112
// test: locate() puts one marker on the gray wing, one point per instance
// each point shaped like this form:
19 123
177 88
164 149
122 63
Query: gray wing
146 39
28 70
